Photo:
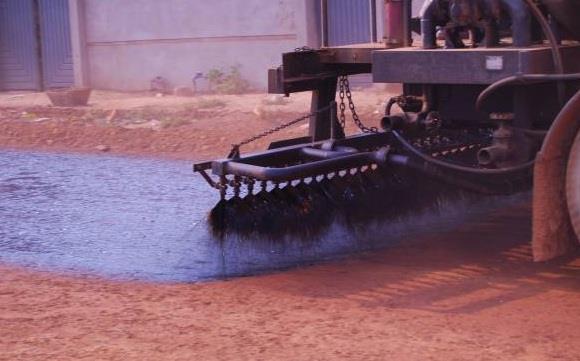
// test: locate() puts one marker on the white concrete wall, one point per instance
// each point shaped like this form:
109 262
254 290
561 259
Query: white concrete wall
129 42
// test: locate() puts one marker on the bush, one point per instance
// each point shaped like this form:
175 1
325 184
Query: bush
227 83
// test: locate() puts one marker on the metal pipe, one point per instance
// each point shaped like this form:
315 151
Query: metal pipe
521 22
373 9
280 157
323 154
407 14
324 22
491 155
304 170
428 24
344 149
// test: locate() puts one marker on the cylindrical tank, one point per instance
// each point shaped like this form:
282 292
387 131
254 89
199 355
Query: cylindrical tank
566 13
397 16
394 23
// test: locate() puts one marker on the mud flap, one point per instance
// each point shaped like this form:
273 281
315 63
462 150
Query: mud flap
552 230
553 234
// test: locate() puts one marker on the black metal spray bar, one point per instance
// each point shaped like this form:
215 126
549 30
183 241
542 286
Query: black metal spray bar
335 162
280 157
325 157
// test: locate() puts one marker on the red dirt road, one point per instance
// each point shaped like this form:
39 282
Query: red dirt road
472 294
186 128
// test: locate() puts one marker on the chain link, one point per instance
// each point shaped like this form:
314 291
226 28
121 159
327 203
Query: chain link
344 89
303 49
235 151
341 105
344 92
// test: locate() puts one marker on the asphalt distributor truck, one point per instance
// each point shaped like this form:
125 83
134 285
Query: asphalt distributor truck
490 104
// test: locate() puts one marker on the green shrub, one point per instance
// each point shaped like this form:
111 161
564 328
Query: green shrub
227 83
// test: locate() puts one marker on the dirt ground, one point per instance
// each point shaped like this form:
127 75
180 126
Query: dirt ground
469 294
168 126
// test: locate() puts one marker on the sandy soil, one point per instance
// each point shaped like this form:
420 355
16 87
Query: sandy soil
169 126
470 294
473 294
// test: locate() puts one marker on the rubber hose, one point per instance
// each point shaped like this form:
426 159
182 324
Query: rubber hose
521 79
556 56
459 168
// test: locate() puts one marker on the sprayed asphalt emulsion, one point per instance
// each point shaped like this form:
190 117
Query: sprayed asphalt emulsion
144 219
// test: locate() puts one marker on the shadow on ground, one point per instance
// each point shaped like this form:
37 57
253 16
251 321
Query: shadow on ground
477 266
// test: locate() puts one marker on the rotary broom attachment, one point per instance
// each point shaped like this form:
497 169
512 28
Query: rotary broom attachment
302 189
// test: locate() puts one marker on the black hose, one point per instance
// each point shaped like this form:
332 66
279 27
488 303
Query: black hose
556 56
459 168
390 104
532 133
434 172
522 79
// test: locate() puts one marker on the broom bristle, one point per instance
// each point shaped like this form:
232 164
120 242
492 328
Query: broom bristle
308 210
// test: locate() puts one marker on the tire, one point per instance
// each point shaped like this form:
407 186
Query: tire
573 185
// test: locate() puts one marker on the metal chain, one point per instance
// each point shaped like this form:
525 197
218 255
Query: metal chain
344 89
235 151
302 49
341 105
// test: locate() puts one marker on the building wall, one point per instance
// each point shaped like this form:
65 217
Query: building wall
128 43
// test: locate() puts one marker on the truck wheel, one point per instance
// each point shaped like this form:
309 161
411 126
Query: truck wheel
573 185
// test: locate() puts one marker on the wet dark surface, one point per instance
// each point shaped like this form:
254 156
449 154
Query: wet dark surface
145 219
